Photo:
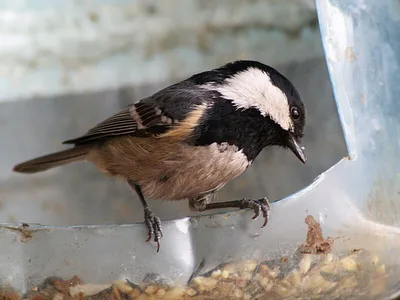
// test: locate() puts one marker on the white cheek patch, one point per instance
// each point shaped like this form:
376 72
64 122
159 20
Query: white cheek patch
253 88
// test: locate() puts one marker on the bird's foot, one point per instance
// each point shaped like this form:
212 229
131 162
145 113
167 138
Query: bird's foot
153 223
260 205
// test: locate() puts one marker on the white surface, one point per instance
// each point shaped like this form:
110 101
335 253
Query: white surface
56 47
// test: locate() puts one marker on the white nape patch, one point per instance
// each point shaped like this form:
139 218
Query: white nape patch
253 88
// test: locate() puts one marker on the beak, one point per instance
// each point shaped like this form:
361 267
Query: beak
296 149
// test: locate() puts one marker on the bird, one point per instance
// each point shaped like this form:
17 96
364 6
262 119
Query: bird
189 139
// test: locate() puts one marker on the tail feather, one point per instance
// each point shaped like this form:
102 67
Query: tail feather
52 160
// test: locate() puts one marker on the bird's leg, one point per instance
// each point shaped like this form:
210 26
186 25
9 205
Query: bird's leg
199 203
260 205
152 222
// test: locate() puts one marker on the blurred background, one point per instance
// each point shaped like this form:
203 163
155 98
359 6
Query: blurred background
67 65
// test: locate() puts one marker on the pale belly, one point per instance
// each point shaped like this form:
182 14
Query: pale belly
170 171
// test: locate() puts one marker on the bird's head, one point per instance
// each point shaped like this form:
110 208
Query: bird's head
250 86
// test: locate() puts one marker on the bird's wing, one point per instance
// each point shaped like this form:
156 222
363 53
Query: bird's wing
151 116
140 119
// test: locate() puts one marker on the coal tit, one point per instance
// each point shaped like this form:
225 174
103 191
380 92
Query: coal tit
189 139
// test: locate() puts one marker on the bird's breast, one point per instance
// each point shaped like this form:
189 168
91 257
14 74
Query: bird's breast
167 170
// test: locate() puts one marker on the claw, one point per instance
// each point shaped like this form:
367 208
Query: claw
257 206
148 237
256 215
153 223
266 216
158 246
265 209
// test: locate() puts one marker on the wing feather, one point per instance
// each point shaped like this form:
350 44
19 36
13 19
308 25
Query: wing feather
150 116
136 119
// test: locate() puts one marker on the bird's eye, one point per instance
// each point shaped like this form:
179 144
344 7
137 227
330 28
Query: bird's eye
294 112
